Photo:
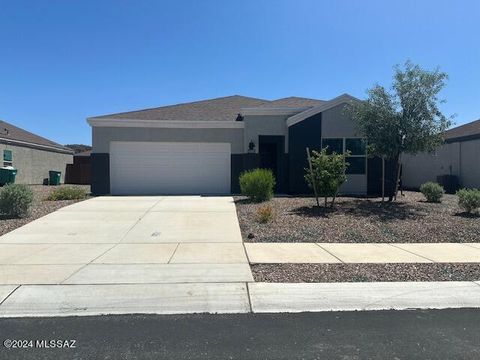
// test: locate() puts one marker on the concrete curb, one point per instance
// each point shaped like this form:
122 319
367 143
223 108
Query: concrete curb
88 300
305 297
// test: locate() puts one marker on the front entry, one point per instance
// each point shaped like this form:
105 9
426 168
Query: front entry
271 150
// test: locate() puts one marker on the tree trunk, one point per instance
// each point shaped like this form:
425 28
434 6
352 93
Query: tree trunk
383 179
394 179
313 179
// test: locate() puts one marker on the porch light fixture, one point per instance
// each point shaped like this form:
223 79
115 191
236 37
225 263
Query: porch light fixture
251 146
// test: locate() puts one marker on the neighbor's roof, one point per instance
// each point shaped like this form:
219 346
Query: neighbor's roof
9 132
218 109
463 132
84 153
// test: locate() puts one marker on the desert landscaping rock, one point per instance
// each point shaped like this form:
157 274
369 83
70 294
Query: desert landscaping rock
293 273
360 220
40 207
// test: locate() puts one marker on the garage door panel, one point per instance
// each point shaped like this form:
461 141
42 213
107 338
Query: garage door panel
169 168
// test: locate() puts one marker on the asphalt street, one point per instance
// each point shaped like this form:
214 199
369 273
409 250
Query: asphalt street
420 334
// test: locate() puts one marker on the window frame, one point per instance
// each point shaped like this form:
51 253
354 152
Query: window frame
335 138
344 149
7 161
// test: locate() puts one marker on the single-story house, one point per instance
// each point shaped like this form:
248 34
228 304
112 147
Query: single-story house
33 156
458 156
202 147
79 172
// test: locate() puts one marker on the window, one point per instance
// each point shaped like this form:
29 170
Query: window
356 165
356 146
7 157
333 145
357 161
358 153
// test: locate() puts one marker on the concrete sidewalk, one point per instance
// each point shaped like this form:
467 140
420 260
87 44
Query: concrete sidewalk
326 253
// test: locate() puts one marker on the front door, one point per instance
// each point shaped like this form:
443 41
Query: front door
271 149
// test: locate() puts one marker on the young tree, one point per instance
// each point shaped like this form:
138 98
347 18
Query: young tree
406 118
326 174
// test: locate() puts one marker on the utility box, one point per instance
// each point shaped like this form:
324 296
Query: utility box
7 175
54 177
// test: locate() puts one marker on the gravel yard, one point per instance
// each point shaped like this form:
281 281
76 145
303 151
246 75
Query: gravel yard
358 220
40 207
292 273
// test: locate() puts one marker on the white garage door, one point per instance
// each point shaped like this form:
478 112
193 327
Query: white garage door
169 168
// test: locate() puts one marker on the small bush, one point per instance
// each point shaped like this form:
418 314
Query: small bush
469 199
67 193
257 184
326 174
265 214
15 200
432 191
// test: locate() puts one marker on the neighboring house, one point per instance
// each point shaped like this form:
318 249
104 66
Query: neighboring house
202 147
459 156
33 156
80 171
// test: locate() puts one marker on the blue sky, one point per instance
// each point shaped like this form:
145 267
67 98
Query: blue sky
62 61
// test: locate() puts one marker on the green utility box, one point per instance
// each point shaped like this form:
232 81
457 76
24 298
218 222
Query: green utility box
7 175
54 177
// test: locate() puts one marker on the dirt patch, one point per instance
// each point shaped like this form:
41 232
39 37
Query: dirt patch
294 273
359 220
40 207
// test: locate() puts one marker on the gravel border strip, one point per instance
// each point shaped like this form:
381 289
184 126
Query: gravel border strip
297 273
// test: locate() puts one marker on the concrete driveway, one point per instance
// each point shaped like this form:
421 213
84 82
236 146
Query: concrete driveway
182 242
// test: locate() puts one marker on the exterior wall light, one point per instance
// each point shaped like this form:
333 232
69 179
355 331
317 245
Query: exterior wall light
251 146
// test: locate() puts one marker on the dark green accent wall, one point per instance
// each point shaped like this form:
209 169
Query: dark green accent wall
100 173
306 133
240 163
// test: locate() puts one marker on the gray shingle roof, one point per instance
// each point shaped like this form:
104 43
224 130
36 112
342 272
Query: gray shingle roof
219 109
14 133
462 131
292 101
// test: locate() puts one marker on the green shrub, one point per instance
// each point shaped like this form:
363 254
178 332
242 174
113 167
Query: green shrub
15 200
257 184
265 214
326 174
432 191
67 193
469 199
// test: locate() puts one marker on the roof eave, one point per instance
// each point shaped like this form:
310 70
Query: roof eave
175 124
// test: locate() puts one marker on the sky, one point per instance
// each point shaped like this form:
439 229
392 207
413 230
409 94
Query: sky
63 61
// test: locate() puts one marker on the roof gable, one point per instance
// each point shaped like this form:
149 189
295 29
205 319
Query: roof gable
342 99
